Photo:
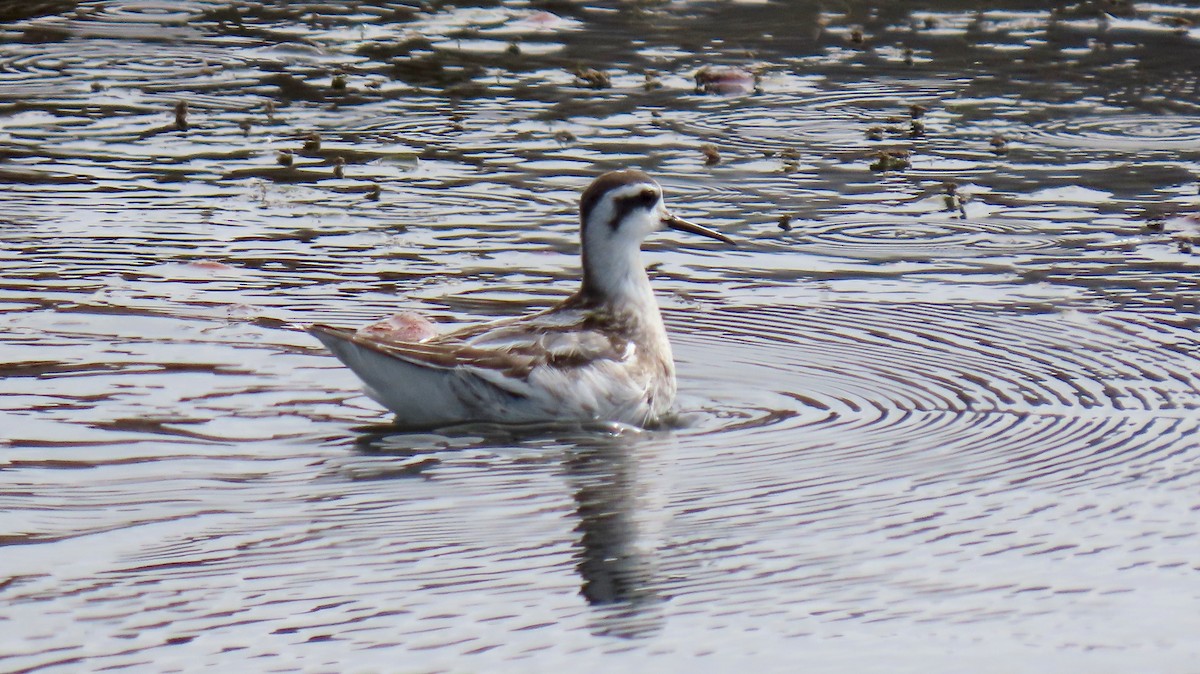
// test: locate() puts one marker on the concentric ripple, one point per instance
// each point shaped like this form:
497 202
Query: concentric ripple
152 12
905 385
831 120
926 238
1126 134
66 69
149 20
927 357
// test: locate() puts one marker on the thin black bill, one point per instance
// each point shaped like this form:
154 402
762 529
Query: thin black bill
684 226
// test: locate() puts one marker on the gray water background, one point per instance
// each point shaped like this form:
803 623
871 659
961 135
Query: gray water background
941 418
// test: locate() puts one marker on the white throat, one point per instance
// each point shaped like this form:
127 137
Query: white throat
612 241
616 275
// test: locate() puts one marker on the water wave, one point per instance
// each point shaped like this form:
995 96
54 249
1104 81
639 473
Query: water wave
1122 133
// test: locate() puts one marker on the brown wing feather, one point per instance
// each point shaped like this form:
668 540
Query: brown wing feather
438 354
571 334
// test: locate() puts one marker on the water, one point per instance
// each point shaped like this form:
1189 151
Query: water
941 419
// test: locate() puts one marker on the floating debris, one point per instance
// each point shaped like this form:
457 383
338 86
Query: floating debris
857 36
312 142
285 158
339 82
405 326
181 113
375 193
791 159
180 123
951 190
891 160
908 56
712 156
999 144
917 127
339 167
725 80
651 81
911 126
209 265
953 199
785 222
245 125
564 137
592 78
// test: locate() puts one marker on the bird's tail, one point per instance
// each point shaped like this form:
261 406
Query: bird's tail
419 394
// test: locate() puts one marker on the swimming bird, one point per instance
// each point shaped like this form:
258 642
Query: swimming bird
602 354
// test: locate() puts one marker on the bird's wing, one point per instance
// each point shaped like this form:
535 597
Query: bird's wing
439 354
564 338
505 353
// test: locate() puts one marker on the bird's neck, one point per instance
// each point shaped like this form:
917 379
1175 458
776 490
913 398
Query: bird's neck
618 282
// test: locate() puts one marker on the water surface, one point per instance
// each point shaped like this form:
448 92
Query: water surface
939 408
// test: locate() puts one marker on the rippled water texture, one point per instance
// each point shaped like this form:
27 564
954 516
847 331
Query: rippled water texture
940 407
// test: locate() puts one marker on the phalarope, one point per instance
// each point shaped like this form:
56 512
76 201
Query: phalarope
600 355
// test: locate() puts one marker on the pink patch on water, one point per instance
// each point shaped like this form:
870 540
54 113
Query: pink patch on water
544 19
724 80
405 326
208 265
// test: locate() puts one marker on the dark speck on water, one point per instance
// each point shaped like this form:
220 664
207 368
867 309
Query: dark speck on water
181 115
937 410
592 78
891 160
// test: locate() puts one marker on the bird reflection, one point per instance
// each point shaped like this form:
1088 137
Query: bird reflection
619 486
618 477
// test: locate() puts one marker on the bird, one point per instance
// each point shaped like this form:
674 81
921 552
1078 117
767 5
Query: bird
600 355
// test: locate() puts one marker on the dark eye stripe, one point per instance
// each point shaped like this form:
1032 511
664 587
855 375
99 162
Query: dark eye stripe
622 206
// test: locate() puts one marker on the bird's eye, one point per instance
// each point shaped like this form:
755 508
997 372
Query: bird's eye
648 197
